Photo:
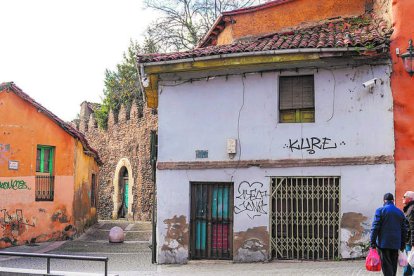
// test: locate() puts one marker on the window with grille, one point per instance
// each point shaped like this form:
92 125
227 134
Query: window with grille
93 191
296 99
45 180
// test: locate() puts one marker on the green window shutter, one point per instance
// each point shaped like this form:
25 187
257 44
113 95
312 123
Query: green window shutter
51 158
44 159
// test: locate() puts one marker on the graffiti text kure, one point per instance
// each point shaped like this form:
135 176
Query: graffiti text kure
312 144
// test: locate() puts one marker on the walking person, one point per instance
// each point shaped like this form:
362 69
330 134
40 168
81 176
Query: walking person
388 234
408 201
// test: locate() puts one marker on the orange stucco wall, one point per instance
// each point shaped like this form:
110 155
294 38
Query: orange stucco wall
22 219
23 128
85 166
290 14
402 86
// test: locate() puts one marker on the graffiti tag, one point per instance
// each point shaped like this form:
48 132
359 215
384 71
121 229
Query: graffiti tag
14 185
311 145
252 199
14 222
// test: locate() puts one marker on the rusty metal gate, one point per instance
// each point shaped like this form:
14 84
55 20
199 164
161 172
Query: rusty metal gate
211 221
305 218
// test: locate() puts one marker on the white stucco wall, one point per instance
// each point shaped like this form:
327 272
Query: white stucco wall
202 115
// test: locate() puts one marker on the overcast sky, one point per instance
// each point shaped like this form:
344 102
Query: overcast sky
57 50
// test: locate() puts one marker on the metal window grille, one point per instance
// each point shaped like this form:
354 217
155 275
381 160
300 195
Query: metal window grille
211 221
45 188
305 218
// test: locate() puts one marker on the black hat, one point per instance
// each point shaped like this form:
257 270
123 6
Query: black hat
388 196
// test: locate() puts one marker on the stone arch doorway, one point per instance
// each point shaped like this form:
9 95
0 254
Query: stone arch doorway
122 198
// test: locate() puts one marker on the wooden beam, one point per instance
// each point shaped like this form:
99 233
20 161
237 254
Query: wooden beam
151 92
228 63
285 163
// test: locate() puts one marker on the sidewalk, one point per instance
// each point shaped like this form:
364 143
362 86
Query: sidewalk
134 258
288 268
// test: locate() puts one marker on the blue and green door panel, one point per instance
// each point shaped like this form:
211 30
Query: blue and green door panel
211 220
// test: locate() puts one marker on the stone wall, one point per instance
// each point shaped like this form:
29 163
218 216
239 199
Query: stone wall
128 136
383 9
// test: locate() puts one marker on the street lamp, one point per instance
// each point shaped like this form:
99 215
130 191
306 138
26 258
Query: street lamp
408 58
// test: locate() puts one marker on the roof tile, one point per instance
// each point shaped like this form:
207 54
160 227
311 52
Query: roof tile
365 30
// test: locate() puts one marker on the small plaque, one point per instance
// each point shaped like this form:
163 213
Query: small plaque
201 153
13 165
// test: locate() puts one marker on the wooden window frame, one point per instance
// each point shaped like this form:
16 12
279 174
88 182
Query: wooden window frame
297 115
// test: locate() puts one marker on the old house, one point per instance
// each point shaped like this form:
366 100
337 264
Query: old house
275 135
126 175
48 173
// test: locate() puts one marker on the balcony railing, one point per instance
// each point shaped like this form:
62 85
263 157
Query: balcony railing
45 188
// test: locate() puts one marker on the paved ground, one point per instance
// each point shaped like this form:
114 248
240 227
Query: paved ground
134 258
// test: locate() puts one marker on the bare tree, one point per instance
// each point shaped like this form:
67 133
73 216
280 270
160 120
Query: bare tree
184 22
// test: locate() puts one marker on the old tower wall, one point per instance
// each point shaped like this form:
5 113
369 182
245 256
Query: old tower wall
125 149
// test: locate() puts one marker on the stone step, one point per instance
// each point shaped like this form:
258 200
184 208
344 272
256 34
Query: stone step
103 246
104 235
125 225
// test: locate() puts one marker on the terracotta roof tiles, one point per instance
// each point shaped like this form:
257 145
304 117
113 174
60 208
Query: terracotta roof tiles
362 31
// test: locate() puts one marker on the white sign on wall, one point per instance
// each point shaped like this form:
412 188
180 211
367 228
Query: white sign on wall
13 165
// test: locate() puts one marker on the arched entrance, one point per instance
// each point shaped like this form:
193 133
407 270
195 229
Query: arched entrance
122 197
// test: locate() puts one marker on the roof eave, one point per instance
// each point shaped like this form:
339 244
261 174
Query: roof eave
152 70
258 53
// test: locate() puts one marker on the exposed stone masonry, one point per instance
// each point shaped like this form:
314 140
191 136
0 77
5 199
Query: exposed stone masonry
128 135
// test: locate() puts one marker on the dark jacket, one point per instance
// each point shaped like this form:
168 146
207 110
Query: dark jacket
409 214
389 228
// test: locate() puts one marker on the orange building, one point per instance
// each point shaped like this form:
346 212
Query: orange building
279 15
402 87
48 173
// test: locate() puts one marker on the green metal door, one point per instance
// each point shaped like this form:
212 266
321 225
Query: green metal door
126 194
211 220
